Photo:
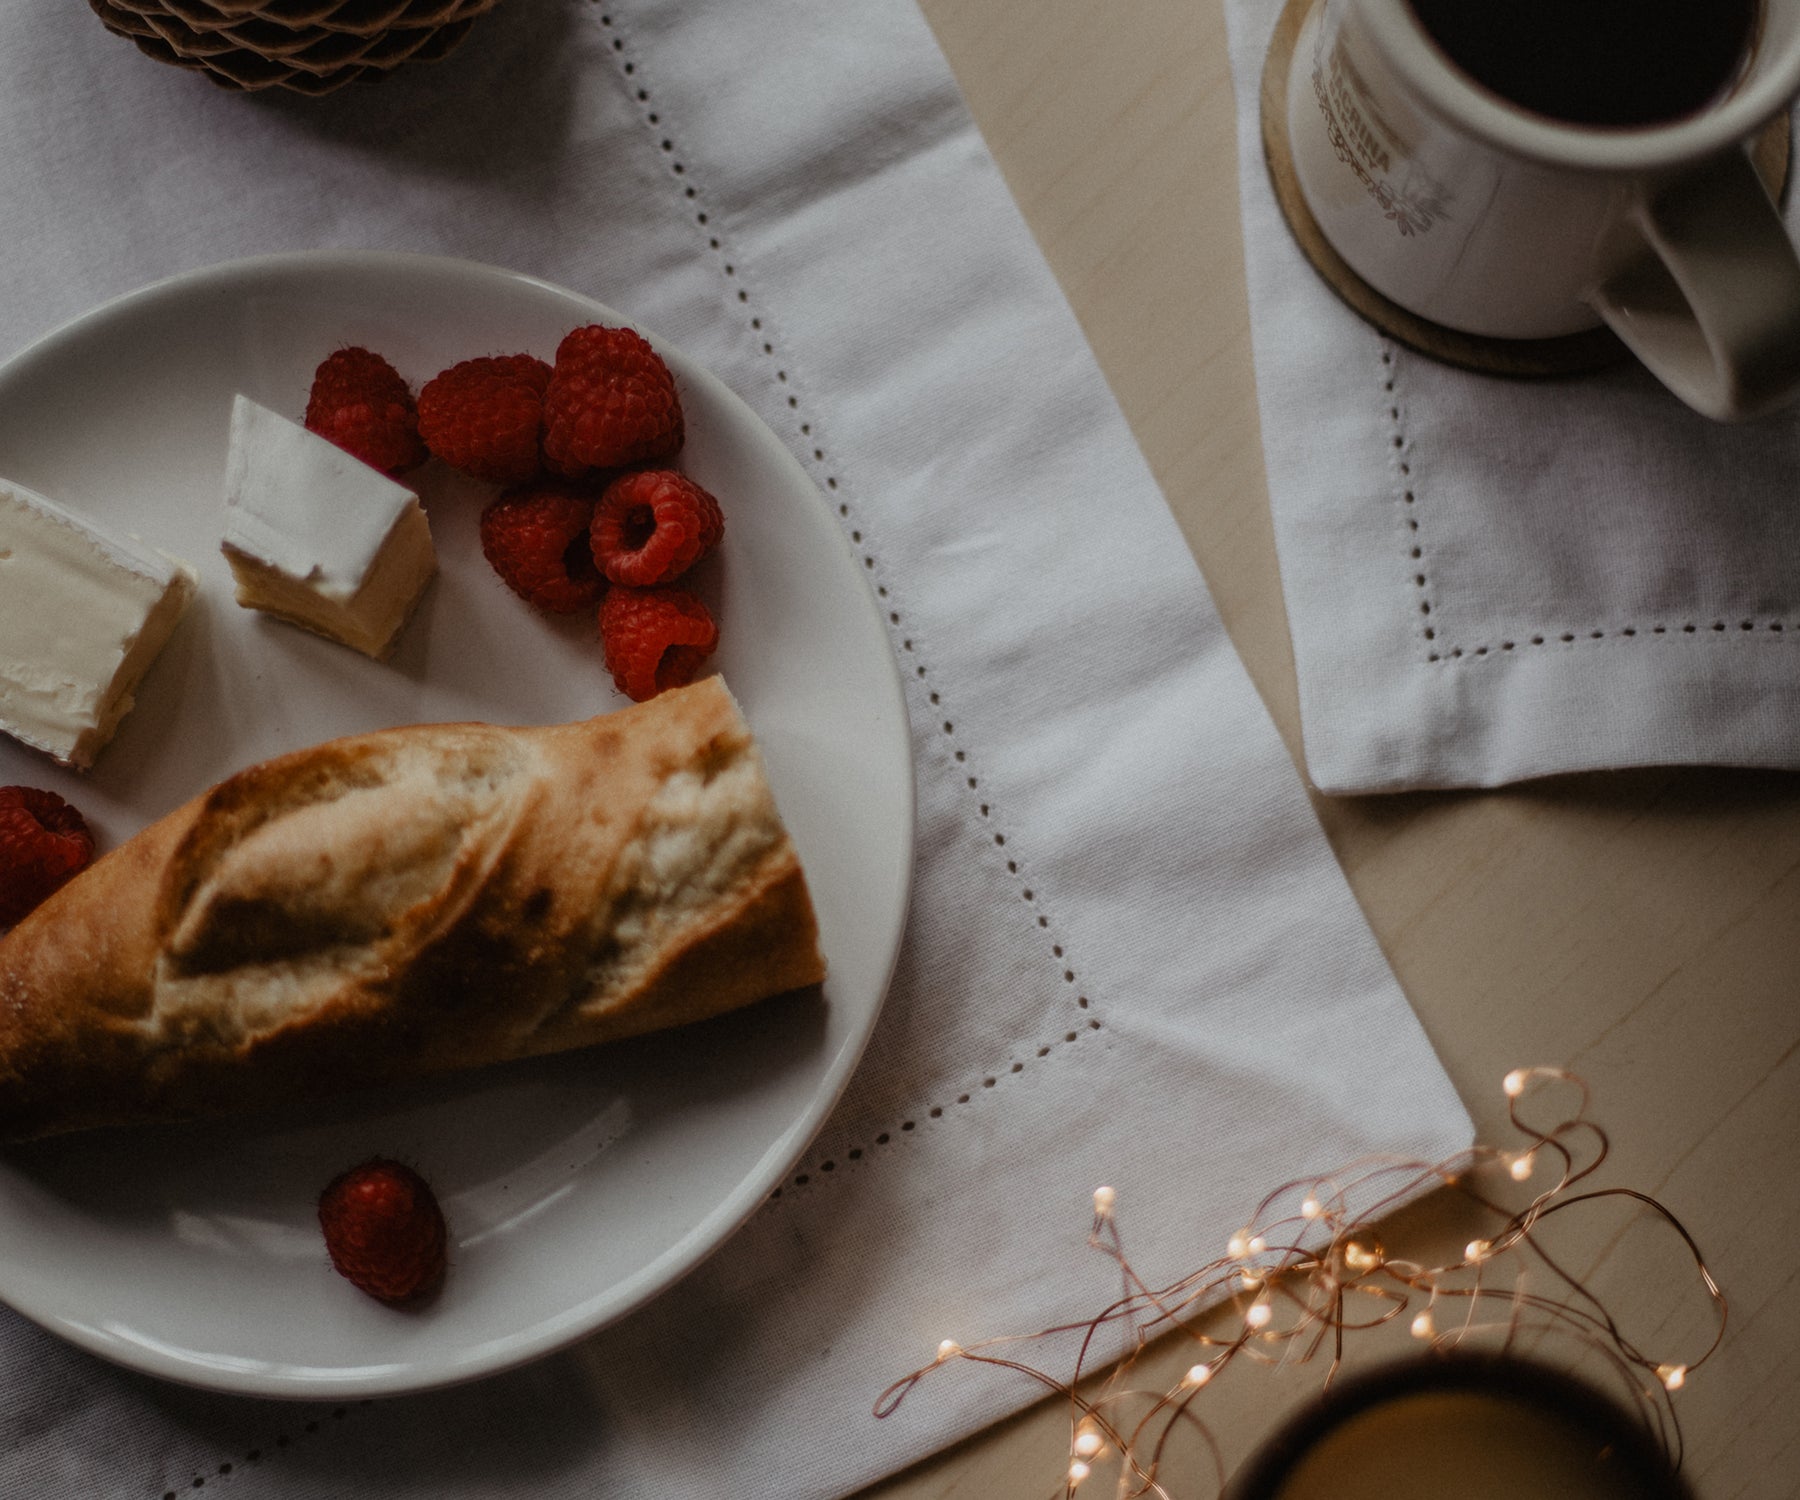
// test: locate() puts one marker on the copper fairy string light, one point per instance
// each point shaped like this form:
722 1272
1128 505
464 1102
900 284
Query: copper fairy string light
1295 1283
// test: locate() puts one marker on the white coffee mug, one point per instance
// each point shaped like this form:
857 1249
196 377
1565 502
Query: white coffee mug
1484 217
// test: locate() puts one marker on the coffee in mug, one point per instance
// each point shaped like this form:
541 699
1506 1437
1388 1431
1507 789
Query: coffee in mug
1618 63
1472 1426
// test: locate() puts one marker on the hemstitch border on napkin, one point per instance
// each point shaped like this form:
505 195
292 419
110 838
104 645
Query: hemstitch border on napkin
813 445
1436 653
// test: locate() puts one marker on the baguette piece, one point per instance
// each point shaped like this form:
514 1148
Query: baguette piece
403 903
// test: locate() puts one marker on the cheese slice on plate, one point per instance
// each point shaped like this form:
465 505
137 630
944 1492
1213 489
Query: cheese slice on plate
317 537
83 613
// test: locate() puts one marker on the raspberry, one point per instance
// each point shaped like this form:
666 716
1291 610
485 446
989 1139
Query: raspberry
44 843
611 402
652 525
536 537
360 403
654 638
484 417
384 1230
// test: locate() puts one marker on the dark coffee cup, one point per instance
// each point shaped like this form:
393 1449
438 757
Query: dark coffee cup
1467 1426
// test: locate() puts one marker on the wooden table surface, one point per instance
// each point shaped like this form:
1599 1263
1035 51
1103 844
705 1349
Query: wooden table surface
1641 929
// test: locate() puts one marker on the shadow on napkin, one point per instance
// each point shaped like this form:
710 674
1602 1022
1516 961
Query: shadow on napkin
497 107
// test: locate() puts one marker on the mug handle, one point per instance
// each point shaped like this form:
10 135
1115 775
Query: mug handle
1707 294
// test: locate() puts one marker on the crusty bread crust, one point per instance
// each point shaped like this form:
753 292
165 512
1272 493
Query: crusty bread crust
404 903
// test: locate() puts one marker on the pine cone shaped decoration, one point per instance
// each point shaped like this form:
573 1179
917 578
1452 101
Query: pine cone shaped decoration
309 46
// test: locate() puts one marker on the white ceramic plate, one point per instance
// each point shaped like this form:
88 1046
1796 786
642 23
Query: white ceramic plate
577 1187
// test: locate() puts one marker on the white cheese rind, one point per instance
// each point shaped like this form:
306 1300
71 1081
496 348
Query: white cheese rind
83 613
319 538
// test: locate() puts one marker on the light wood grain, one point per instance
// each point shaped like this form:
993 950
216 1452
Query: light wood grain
1642 929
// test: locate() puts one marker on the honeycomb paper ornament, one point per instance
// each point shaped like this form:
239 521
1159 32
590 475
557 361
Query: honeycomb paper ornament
309 46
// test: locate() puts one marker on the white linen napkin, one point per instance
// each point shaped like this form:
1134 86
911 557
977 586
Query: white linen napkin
1489 579
1131 957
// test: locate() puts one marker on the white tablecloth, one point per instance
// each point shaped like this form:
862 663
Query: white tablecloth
1124 914
1490 579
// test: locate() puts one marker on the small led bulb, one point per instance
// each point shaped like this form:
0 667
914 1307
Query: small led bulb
1673 1377
1522 1166
1104 1198
1514 1083
1238 1246
1423 1327
1078 1471
1259 1314
1311 1208
1087 1442
949 1349
1476 1251
1258 1244
1197 1375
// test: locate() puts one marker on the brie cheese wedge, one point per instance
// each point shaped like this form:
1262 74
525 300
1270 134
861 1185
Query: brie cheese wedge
83 613
319 538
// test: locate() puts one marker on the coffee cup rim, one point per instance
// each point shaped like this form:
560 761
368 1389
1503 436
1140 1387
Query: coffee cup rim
1455 97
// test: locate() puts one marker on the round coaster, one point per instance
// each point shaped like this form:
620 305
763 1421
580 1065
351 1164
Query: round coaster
1569 355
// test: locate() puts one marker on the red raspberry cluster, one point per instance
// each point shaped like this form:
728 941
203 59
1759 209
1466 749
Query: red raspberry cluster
652 525
486 417
363 404
611 402
44 844
384 1230
590 508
